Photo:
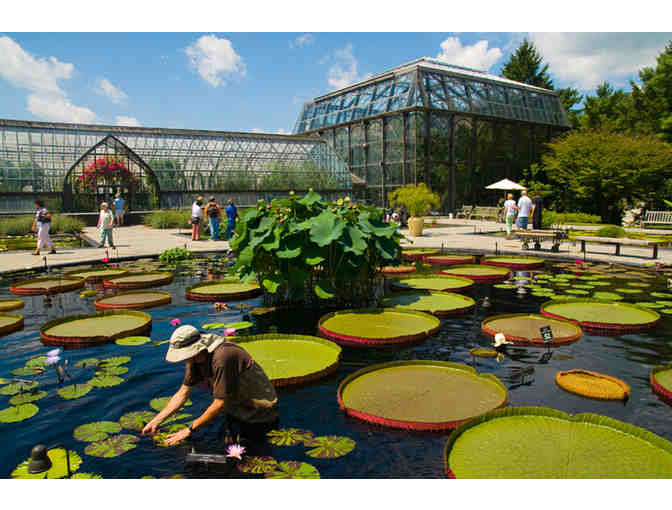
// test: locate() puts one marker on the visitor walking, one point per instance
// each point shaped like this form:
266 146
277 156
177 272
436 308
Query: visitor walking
524 207
240 387
105 224
510 209
41 225
119 204
537 210
196 218
231 214
214 214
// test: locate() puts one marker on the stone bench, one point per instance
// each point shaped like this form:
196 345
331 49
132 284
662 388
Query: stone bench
618 242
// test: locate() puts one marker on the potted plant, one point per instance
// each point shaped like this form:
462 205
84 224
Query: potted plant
418 199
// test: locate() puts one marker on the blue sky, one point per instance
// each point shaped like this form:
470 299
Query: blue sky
257 81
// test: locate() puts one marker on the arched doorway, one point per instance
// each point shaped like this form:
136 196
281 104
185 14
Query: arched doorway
110 167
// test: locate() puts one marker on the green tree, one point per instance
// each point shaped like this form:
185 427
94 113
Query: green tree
607 110
525 65
570 97
597 171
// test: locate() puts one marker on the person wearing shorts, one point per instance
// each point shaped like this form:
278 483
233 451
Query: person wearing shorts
510 209
42 223
118 205
524 208
196 218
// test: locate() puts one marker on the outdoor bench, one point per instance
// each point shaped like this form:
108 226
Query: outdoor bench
465 212
537 236
657 218
618 242
484 212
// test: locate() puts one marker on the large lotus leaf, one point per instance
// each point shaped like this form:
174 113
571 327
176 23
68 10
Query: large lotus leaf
324 289
160 402
376 227
326 228
27 371
114 361
27 397
289 437
353 240
21 412
136 420
313 255
88 362
19 387
160 437
96 431
74 391
387 248
310 198
86 476
111 371
105 381
293 469
113 446
290 247
329 447
271 283
133 340
238 325
3 381
257 465
58 468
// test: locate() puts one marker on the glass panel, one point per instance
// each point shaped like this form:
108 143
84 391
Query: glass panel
358 113
393 174
463 156
383 89
308 112
436 100
516 96
479 98
397 103
349 99
498 94
378 107
320 109
330 119
344 116
364 96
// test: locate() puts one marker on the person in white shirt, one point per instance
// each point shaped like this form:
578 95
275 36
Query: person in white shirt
196 219
105 224
42 223
510 209
524 208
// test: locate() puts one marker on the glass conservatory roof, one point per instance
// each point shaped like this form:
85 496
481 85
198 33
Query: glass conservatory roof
431 83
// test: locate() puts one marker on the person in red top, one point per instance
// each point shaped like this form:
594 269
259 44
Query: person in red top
239 386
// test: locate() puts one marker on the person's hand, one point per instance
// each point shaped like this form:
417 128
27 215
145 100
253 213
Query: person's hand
177 437
150 428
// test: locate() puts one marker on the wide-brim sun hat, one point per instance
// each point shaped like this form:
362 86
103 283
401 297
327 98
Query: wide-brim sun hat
186 342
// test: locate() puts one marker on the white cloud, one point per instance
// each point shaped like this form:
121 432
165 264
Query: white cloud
122 120
281 131
41 78
215 59
586 59
345 71
111 92
477 56
302 40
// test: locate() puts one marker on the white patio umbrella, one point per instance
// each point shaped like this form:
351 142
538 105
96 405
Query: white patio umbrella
506 185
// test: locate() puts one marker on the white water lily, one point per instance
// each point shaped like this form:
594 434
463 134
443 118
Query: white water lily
500 339
51 360
235 451
53 353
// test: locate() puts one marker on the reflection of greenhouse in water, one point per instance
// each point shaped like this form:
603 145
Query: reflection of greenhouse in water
74 167
454 128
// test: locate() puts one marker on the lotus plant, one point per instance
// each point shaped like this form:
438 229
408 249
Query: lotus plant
235 451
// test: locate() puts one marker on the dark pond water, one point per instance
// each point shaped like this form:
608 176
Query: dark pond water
380 452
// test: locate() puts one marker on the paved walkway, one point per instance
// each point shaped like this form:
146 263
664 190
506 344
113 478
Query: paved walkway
460 236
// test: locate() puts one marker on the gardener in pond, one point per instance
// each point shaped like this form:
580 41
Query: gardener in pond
42 223
214 215
239 386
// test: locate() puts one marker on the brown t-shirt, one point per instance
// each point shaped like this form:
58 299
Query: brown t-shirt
233 376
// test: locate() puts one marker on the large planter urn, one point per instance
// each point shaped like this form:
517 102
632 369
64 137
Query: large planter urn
415 226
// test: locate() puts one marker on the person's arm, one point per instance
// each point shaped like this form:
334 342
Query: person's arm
99 220
208 415
175 402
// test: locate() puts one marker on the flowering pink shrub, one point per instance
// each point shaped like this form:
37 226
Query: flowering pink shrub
105 169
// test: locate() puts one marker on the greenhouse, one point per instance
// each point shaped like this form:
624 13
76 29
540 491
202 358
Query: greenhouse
457 129
74 167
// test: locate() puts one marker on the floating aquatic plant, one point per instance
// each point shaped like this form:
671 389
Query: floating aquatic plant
74 391
213 325
112 446
293 469
237 325
329 447
18 413
289 436
105 381
58 465
257 465
133 340
136 420
160 437
88 362
96 431
26 398
18 387
160 402
113 370
113 361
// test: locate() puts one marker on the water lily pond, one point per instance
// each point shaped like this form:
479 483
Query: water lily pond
109 391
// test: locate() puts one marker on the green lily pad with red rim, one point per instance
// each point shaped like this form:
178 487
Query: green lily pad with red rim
293 469
58 468
329 447
9 304
478 272
18 387
376 326
50 285
289 436
102 327
524 329
159 403
134 300
112 446
74 391
96 431
10 322
18 413
419 395
440 304
139 280
257 465
449 260
515 263
136 420
222 290
537 442
97 274
133 340
660 379
398 269
213 325
418 253
599 315
433 282
105 381
238 325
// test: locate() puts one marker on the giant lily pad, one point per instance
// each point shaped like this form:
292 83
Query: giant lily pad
437 303
239 325
133 340
601 315
593 385
222 290
478 272
10 322
293 469
329 447
525 328
433 282
136 420
98 274
38 286
661 382
9 304
419 253
257 465
21 412
135 300
377 326
97 328
421 395
449 260
293 359
515 263
112 446
139 280
289 437
58 465
74 391
96 431
536 442
26 398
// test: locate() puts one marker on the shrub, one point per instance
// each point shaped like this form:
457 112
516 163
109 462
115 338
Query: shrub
174 254
550 218
417 199
611 231
21 225
178 218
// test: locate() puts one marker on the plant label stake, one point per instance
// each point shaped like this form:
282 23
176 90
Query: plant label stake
547 336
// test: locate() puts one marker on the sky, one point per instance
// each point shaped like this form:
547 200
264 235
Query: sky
256 78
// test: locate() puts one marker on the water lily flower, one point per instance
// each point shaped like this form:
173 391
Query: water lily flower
52 360
175 322
53 353
500 340
105 260
578 262
229 331
235 451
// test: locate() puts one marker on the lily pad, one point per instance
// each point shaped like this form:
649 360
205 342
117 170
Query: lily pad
37 362
437 303
18 413
136 420
112 446
88 292
114 361
19 387
88 362
120 370
86 476
105 381
595 314
239 325
133 340
27 371
160 402
609 296
649 304
638 284
289 437
664 295
96 431
213 325
481 352
160 437
293 469
26 398
592 384
257 465
74 391
329 447
628 291
58 465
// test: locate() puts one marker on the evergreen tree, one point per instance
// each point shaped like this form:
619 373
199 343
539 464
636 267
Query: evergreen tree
570 97
525 65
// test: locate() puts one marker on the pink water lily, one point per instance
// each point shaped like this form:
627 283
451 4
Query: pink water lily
578 262
229 331
235 451
175 322
53 353
104 260
52 360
